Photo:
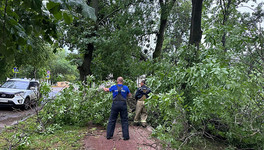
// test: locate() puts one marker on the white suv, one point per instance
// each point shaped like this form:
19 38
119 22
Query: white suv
19 92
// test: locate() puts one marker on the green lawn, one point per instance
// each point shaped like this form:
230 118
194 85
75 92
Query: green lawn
66 137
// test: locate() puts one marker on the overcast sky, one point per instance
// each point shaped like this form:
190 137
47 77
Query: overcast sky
250 4
248 7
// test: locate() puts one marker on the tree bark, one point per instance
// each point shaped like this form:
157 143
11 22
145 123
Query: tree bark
160 38
195 31
85 68
165 11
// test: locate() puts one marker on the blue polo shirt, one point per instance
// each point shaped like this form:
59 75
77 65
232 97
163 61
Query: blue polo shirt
124 91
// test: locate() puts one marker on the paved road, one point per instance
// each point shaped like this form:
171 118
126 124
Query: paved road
55 91
10 116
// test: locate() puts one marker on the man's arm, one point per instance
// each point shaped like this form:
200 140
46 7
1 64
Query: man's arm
137 96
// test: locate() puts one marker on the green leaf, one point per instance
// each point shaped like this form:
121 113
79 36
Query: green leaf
21 41
13 21
53 8
87 11
58 16
67 18
36 5
51 5
56 44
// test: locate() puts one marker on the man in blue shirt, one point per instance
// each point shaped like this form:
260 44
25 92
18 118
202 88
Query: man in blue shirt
120 93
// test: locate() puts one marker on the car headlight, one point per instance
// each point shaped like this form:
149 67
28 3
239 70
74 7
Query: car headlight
20 94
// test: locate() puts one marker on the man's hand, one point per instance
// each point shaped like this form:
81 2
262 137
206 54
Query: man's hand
106 89
129 95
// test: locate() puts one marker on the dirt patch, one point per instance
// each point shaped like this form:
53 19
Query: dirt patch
140 139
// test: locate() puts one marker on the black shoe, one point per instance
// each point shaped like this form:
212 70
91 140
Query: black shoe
125 139
136 124
108 138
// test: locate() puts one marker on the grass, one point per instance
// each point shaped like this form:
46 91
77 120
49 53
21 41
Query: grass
68 137
63 138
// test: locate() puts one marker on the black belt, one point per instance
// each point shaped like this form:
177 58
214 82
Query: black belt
119 100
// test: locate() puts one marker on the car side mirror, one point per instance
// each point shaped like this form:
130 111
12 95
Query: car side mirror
32 88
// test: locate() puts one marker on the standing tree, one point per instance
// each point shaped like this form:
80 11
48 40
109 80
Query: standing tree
165 7
115 36
85 68
195 30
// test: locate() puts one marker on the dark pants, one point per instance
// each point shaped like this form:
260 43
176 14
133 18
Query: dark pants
118 107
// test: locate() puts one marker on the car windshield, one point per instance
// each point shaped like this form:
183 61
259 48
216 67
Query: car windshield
15 84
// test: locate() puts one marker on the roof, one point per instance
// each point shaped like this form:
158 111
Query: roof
19 79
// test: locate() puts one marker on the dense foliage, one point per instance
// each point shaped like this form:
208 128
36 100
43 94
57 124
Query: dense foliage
212 89
80 104
222 103
23 23
77 105
28 26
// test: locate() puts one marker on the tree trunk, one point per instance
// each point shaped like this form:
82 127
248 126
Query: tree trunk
160 37
165 11
226 12
85 68
195 31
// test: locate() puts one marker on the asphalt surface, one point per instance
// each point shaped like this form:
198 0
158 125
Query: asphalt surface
10 116
55 91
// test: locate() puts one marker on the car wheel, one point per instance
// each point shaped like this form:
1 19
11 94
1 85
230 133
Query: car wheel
27 104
